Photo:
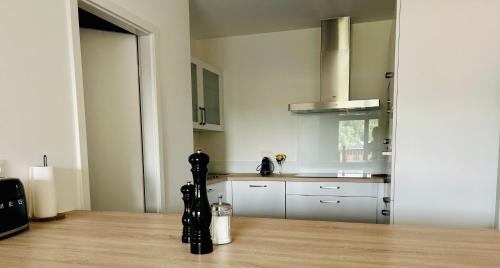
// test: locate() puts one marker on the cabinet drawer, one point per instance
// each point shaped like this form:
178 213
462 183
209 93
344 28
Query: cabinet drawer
333 208
332 188
259 199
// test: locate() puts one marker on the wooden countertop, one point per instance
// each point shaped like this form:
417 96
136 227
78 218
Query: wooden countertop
292 177
114 239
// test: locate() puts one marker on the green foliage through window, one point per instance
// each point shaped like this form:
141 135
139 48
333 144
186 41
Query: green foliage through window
354 143
351 134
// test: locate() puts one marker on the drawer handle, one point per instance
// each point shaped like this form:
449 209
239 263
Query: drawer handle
330 187
257 186
209 190
329 201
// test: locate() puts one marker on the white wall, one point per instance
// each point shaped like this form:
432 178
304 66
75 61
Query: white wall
448 113
36 101
263 73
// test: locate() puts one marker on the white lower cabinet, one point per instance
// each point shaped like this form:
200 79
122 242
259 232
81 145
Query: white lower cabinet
332 188
329 201
259 199
224 188
333 201
334 208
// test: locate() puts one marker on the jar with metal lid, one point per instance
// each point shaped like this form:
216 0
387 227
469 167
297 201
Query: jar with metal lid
220 228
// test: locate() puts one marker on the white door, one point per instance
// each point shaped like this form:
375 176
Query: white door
112 111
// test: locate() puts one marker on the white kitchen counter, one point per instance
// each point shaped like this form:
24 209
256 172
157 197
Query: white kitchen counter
293 177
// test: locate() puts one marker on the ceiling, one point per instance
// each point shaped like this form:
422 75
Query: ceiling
218 18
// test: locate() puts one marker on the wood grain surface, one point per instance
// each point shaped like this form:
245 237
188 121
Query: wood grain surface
116 239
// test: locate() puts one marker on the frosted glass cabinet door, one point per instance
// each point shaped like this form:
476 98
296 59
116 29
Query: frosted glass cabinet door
207 102
194 91
211 97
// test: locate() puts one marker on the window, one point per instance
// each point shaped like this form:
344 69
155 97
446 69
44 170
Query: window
358 140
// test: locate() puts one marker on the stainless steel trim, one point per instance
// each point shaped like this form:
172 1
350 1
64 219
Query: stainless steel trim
329 201
337 106
20 228
330 187
257 186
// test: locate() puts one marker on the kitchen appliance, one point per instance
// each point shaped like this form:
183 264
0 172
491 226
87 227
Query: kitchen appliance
335 72
13 208
220 228
266 167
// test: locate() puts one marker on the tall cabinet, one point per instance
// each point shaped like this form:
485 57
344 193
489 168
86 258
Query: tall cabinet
207 96
447 113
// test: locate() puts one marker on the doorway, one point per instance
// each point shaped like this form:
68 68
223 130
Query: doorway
113 115
147 125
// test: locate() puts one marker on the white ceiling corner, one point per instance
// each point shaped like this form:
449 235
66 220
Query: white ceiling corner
219 18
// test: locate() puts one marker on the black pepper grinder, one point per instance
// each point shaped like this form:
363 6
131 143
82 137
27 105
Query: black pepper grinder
201 215
187 195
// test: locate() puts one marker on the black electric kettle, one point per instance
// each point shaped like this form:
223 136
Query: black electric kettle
266 167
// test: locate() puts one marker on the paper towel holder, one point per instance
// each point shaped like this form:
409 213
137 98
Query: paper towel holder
58 216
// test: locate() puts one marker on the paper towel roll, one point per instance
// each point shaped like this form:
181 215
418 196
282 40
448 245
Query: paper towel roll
43 192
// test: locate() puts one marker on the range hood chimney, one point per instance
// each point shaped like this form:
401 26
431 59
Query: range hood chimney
334 83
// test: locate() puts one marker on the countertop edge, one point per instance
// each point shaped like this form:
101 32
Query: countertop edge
221 178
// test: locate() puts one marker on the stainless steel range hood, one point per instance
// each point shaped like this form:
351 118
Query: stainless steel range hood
334 83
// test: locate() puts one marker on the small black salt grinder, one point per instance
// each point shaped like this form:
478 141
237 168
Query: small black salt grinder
201 215
187 196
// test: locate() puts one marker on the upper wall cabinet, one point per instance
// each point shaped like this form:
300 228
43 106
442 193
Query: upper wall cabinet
206 88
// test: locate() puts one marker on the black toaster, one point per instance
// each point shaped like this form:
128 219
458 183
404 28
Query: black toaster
13 207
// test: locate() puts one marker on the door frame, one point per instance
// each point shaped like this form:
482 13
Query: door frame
154 184
497 211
